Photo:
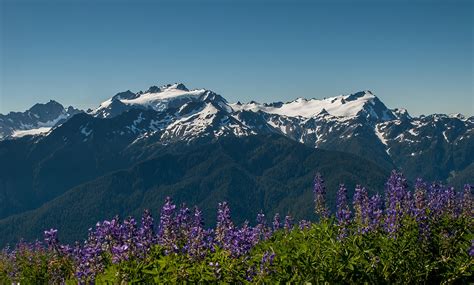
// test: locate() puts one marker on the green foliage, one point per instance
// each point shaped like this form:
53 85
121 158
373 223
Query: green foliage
35 266
317 256
435 250
314 255
158 267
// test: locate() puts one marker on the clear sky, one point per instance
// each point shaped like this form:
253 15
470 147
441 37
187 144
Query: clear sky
413 54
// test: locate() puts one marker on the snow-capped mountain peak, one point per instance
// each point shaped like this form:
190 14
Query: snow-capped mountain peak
176 86
344 106
362 104
154 99
124 95
457 116
401 113
156 89
38 119
157 98
359 123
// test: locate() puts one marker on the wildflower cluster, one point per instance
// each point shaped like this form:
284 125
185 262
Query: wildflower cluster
421 236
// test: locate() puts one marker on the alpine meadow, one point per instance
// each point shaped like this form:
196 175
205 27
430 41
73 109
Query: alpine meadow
309 142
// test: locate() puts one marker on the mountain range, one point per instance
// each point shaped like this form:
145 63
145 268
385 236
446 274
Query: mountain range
38 119
358 123
135 148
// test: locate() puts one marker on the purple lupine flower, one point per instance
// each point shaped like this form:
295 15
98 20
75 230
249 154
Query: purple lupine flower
183 219
319 191
261 219
242 240
125 246
120 253
266 263
467 202
343 213
89 258
197 242
375 212
408 205
106 234
183 223
147 228
224 226
450 202
197 218
51 238
276 222
288 224
442 201
361 209
167 229
471 250
420 208
91 263
210 240
129 230
436 200
262 230
110 232
8 258
250 273
420 202
458 204
146 234
395 195
304 224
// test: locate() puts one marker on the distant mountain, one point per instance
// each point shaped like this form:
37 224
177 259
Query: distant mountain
361 104
157 98
358 123
131 128
437 147
38 119
269 173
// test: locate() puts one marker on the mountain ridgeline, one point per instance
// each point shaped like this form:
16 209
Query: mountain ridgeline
39 118
66 168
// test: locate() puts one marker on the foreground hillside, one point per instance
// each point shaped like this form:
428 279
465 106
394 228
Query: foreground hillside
268 173
410 237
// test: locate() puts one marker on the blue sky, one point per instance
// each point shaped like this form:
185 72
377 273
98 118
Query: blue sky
412 54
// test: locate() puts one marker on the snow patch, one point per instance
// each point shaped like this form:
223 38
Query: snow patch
379 134
31 132
338 106
85 131
445 137
157 101
412 132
